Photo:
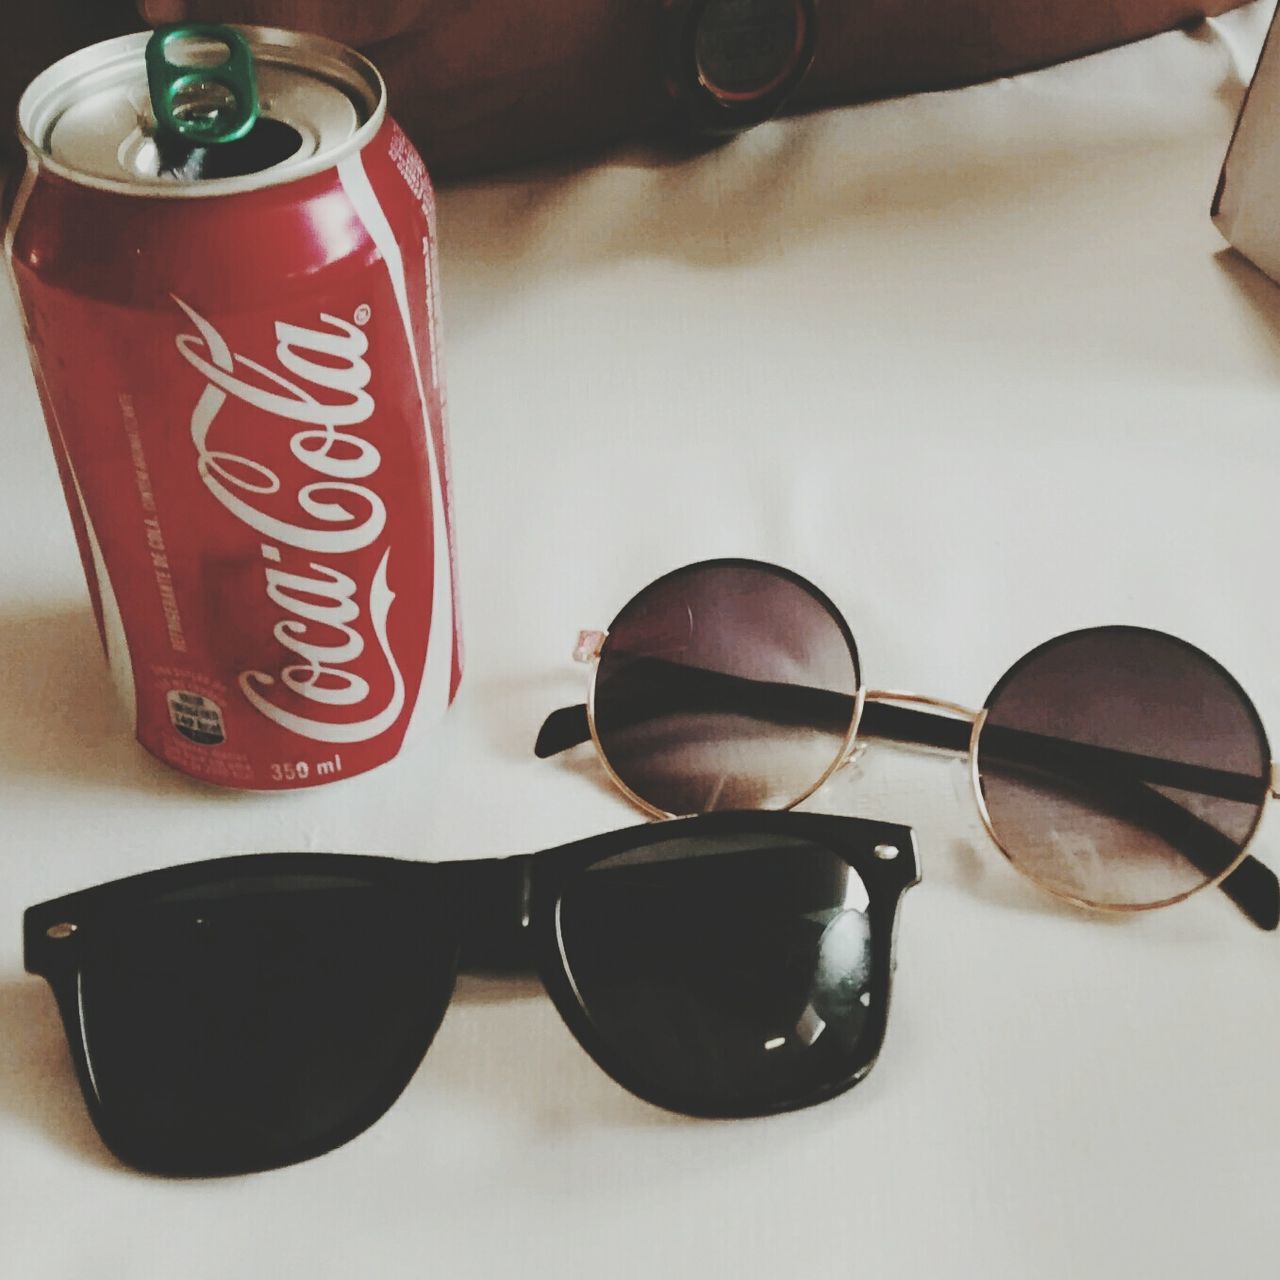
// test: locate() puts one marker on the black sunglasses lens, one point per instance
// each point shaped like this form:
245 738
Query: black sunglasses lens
1122 767
727 976
256 1021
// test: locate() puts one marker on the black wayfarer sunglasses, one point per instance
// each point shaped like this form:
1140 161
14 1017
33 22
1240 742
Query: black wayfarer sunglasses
251 1012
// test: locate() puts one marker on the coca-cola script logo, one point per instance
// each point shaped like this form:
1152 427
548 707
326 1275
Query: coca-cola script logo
342 514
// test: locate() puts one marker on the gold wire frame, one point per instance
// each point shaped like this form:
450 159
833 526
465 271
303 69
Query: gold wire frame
978 719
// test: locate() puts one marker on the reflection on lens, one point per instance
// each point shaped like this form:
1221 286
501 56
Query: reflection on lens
728 973
1122 767
231 1026
725 685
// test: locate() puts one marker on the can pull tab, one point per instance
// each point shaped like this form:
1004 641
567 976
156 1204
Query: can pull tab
211 94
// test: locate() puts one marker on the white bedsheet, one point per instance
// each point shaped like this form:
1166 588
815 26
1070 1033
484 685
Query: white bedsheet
979 364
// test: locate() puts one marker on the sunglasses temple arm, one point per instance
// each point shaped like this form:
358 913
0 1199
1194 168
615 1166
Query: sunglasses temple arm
1252 886
568 727
675 685
561 730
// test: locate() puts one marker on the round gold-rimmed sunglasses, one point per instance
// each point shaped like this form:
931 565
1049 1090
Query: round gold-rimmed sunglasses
1118 767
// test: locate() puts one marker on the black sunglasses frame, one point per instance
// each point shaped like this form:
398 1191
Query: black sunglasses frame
503 913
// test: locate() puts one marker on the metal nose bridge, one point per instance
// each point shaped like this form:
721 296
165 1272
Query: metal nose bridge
491 897
923 700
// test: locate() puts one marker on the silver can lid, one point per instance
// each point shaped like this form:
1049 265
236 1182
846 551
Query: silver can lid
89 117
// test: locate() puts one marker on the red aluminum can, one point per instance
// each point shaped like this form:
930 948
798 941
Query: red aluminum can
240 378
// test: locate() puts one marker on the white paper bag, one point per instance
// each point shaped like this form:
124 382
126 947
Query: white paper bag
1246 206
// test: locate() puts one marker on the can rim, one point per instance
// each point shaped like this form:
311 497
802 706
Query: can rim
123 48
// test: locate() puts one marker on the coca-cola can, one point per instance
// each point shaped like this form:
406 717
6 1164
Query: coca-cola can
237 356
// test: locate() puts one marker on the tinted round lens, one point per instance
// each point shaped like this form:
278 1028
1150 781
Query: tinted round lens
725 686
746 48
256 1021
1122 767
727 976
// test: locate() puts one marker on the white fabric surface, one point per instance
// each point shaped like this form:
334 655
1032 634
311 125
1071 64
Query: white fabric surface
979 364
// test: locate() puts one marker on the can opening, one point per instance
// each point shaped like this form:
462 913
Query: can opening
269 142
92 115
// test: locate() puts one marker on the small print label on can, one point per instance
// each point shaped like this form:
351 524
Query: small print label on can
196 717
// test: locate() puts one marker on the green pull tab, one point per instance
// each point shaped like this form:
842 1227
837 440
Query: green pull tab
202 103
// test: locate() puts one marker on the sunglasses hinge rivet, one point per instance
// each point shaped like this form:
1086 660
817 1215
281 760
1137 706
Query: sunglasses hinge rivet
886 851
59 931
